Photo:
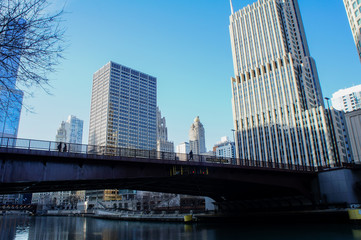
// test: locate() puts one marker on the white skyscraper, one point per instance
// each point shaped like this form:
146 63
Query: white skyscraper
70 131
348 99
122 114
123 108
183 148
353 10
163 144
278 107
197 142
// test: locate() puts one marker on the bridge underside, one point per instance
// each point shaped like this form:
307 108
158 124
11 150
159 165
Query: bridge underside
38 172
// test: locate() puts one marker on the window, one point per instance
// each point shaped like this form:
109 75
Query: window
354 5
357 12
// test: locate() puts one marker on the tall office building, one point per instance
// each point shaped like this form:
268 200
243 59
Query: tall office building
183 148
122 114
197 141
70 131
163 145
278 107
123 108
11 98
353 10
348 99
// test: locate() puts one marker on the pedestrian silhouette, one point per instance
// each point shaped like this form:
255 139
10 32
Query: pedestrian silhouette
191 155
64 149
59 146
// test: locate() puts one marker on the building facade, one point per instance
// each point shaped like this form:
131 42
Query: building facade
70 131
163 145
11 98
353 11
278 108
348 99
197 141
183 148
122 114
123 108
225 148
340 139
353 124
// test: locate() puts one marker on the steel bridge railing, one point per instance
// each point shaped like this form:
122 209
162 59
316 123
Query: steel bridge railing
51 146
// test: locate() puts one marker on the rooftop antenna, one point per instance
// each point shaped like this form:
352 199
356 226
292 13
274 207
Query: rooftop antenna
231 6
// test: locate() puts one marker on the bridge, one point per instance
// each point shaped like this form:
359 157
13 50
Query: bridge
44 166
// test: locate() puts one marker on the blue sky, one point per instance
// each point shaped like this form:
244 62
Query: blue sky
186 45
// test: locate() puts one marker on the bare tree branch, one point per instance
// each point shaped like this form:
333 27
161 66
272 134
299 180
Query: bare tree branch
31 44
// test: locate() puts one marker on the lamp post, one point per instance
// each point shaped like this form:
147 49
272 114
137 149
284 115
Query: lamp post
333 136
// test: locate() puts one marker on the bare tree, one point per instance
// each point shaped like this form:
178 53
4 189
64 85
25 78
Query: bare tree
31 45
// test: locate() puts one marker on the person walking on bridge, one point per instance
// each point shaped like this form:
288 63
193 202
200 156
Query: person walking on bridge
191 155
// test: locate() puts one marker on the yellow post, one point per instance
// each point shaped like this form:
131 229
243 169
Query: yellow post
188 218
354 214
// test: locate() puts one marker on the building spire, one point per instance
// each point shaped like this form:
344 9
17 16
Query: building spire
231 6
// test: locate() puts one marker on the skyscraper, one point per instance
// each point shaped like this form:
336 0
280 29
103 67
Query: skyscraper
163 144
11 98
197 142
122 114
70 131
348 99
123 108
353 10
183 148
278 107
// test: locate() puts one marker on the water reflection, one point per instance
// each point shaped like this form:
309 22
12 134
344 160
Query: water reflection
72 228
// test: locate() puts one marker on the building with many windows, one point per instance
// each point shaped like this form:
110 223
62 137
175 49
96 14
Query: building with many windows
225 148
70 131
11 98
122 114
123 108
278 108
348 99
353 11
183 148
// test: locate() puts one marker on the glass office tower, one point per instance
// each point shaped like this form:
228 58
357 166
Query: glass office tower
11 98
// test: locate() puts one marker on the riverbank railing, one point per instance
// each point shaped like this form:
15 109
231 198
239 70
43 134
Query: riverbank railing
63 148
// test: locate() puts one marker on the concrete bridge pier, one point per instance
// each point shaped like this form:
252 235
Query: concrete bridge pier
340 187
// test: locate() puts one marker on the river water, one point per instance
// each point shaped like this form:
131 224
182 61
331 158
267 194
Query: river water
78 228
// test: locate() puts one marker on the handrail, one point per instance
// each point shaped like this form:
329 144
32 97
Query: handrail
51 146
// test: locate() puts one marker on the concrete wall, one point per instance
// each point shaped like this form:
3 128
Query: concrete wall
339 186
